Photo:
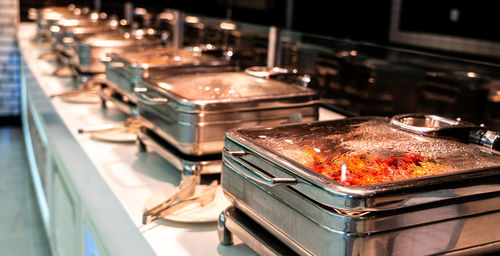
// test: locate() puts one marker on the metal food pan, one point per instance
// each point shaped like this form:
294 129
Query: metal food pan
186 164
241 183
93 49
254 148
452 237
126 69
197 126
421 218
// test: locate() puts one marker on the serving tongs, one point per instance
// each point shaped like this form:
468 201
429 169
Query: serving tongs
437 126
180 199
131 125
89 88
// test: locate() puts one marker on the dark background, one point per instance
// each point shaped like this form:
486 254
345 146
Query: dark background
354 19
367 86
367 21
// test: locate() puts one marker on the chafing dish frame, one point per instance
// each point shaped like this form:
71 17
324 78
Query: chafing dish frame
198 128
187 165
361 199
89 58
292 215
265 239
123 77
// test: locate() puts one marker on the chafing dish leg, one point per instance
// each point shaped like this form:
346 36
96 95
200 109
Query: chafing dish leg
233 222
103 103
225 236
192 170
142 147
79 80
103 95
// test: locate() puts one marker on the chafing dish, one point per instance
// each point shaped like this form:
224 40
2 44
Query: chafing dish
191 112
454 93
95 23
367 85
76 17
92 49
65 45
124 70
359 186
49 16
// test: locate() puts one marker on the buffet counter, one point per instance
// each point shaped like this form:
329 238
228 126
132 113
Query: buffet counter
92 193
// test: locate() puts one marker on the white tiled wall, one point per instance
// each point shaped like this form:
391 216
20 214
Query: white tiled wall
9 59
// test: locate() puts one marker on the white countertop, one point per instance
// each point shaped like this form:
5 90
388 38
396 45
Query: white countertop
132 176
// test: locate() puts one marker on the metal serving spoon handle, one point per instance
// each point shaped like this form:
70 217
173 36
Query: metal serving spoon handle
437 126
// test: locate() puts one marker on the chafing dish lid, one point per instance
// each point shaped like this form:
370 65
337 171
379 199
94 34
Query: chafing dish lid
121 40
359 159
370 152
89 28
73 21
54 12
227 86
160 56
227 91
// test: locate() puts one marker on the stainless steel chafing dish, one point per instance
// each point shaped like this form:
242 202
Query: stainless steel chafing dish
92 49
75 18
49 16
191 112
363 186
95 23
124 70
65 45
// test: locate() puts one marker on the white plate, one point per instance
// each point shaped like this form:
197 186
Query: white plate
115 136
83 98
192 213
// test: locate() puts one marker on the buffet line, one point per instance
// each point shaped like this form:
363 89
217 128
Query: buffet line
290 183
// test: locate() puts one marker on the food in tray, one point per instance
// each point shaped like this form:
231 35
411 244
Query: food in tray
360 153
366 169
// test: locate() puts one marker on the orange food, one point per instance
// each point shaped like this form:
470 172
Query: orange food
364 169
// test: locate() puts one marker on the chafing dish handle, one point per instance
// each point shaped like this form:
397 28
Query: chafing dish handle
256 175
141 94
466 132
486 138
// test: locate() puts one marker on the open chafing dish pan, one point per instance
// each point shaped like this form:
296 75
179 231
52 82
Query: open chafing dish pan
362 186
124 70
192 112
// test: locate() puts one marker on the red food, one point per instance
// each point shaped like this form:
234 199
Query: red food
369 169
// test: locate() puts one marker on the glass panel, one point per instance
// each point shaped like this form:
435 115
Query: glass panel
366 79
249 42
